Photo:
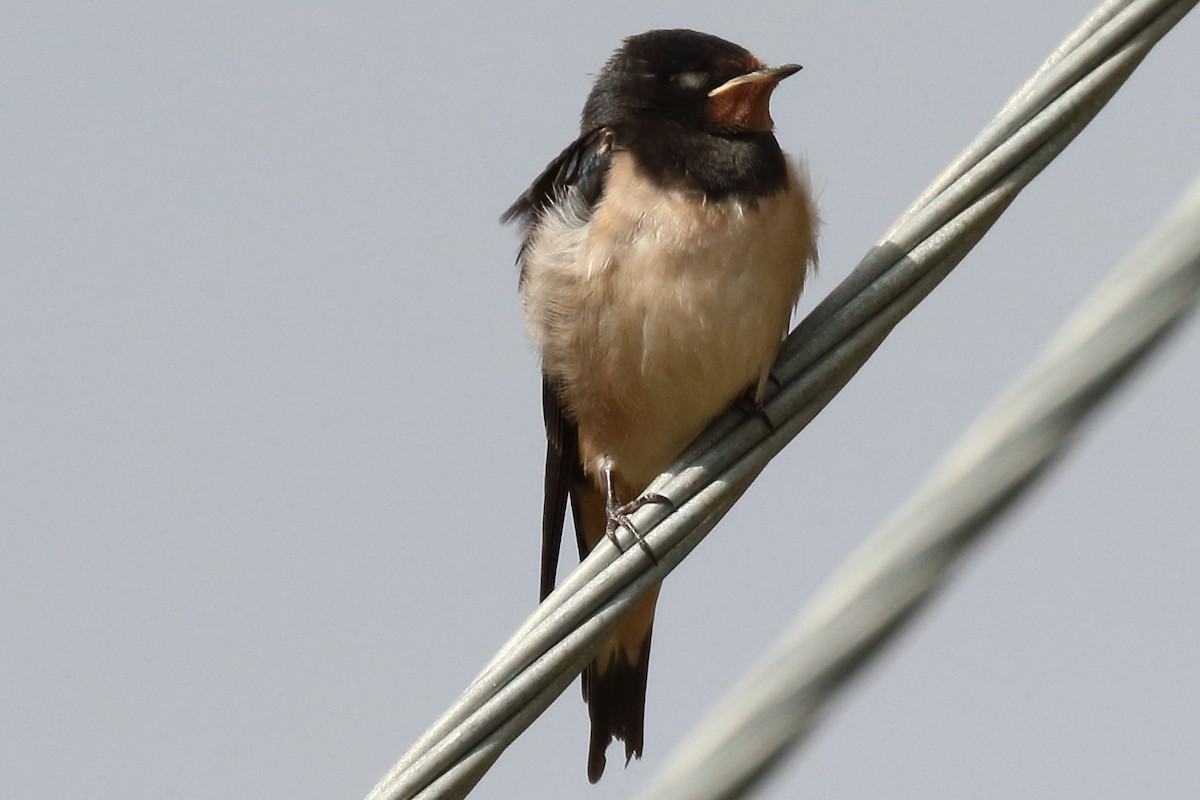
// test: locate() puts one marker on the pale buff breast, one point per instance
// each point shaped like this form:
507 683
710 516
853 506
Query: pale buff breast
660 310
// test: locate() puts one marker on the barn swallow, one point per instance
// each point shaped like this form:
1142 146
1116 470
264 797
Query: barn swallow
664 252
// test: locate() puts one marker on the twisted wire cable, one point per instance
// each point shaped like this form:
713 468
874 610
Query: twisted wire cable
911 555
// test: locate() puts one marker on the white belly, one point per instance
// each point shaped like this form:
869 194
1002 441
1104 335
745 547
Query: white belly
659 311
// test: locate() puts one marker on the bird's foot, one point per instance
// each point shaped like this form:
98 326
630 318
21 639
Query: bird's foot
750 404
617 515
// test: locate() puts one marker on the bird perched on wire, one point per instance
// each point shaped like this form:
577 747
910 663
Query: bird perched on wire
664 252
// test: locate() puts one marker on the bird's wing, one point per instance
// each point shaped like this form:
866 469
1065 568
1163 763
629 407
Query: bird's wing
564 473
576 176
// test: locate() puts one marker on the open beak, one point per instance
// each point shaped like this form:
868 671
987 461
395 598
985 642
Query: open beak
742 104
760 77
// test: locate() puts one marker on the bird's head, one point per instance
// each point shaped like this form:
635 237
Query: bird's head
690 78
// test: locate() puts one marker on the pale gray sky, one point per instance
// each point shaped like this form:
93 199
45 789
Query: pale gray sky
270 441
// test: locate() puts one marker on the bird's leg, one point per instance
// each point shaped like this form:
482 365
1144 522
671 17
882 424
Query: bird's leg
618 514
752 402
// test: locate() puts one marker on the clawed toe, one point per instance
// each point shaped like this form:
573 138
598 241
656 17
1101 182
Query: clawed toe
750 405
618 515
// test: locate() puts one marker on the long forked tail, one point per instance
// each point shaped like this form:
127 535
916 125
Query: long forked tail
614 687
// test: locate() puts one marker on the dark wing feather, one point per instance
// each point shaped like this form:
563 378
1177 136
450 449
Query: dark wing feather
562 470
578 173
576 176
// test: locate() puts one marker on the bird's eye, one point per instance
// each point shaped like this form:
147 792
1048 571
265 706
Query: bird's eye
692 81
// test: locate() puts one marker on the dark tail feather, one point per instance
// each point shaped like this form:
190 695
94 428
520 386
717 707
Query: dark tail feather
616 698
